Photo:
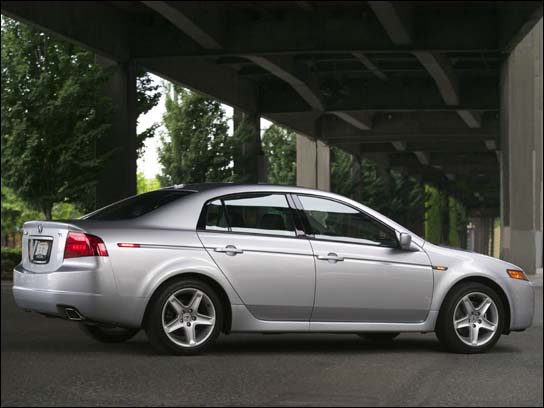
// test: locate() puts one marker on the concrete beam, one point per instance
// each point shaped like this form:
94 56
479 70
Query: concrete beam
370 65
360 120
395 17
193 20
491 144
442 73
94 25
445 78
515 21
284 68
471 118
411 127
418 94
209 79
423 157
399 145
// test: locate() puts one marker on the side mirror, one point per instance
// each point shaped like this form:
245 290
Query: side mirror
405 241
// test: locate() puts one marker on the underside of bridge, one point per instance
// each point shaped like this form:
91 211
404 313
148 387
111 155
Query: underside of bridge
432 88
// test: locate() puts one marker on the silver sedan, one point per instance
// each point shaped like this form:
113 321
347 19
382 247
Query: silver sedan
188 262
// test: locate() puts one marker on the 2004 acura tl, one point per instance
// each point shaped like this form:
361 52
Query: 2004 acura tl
188 262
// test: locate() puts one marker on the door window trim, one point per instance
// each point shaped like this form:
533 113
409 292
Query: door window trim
201 224
311 236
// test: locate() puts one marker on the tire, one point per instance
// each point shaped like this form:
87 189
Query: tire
478 330
108 334
379 337
193 330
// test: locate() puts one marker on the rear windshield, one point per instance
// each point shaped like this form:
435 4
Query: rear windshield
138 205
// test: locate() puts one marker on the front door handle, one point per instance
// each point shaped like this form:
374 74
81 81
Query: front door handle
230 250
331 257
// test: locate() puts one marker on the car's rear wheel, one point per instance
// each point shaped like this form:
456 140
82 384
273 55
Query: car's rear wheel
105 334
185 318
471 319
379 337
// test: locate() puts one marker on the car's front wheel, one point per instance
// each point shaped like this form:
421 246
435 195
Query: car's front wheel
185 318
471 319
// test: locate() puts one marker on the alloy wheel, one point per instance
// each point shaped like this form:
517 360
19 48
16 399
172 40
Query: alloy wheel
476 319
188 317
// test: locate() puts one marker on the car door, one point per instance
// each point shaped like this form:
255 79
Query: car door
361 274
253 239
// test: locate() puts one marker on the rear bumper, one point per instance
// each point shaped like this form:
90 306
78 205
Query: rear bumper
91 292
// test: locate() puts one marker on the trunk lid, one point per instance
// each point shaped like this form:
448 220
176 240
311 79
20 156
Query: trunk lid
43 244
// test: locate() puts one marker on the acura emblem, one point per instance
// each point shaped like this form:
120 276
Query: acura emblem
40 228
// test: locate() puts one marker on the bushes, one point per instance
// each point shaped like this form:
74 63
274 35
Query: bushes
10 258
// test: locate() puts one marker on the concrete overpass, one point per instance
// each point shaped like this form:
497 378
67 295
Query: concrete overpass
448 91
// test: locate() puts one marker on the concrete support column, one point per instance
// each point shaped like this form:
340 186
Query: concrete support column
313 162
118 175
480 234
521 153
251 164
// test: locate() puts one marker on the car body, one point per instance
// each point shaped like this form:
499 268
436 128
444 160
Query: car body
275 259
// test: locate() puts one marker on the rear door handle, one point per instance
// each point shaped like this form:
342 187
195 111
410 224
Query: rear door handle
229 250
331 257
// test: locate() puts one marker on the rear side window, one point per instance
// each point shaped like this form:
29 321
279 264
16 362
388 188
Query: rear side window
267 214
137 206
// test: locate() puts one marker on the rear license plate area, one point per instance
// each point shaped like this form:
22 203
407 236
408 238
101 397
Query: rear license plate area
41 250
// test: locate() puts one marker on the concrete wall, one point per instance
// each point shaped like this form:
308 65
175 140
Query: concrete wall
521 153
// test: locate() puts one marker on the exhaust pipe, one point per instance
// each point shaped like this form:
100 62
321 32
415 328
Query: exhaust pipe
73 314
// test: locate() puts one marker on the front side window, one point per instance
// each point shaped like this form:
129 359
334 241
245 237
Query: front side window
334 221
268 214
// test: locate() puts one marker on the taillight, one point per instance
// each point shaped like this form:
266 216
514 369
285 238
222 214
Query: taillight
79 244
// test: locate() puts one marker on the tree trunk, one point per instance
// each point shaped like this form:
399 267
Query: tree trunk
47 210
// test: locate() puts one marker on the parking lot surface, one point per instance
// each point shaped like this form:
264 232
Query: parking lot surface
50 362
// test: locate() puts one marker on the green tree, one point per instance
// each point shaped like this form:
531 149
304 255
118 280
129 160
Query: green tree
53 114
14 213
143 184
341 164
148 95
197 147
433 215
280 149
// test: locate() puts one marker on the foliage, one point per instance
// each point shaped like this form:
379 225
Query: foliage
53 114
457 223
241 157
342 164
14 211
10 258
145 184
433 215
65 211
148 96
197 148
280 149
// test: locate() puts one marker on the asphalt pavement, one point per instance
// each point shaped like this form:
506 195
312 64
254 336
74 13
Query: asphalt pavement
50 362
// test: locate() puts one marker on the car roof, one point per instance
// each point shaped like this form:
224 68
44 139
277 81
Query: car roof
238 187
